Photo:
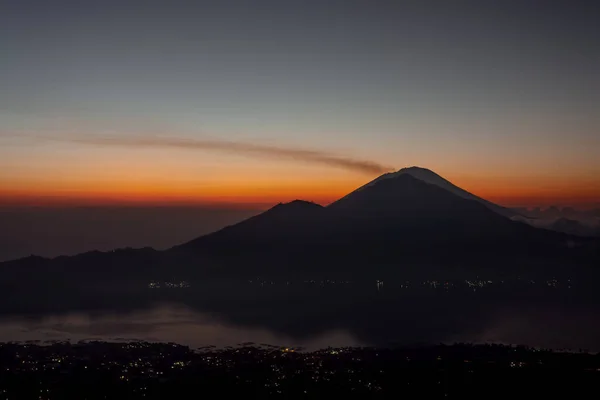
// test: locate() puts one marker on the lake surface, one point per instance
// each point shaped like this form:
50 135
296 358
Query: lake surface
165 323
549 327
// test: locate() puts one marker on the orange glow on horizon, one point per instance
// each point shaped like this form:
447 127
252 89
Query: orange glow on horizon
535 191
263 195
178 181
248 196
69 174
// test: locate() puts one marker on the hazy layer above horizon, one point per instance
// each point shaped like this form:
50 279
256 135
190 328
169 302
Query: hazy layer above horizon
58 231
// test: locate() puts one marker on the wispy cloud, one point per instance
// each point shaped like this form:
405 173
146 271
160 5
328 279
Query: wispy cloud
253 149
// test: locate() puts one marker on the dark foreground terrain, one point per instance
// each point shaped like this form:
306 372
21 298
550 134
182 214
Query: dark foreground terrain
98 370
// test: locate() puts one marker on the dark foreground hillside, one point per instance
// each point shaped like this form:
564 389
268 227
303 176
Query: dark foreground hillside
142 370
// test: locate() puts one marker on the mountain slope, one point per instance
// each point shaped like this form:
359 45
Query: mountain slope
285 221
574 227
431 177
426 213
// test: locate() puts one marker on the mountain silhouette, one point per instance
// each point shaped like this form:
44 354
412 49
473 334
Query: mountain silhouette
431 177
392 220
392 206
394 224
283 222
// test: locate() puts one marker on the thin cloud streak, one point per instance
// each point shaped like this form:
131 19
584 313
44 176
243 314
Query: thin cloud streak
301 155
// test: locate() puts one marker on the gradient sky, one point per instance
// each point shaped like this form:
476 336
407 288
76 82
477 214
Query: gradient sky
500 97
